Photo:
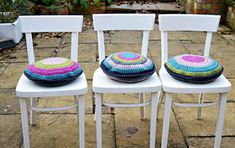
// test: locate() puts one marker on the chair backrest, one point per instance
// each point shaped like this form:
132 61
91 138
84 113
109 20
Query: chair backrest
138 22
187 22
52 23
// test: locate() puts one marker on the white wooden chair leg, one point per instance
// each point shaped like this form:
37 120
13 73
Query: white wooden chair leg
101 106
160 102
220 119
24 120
200 101
98 114
166 120
32 114
81 118
142 109
153 127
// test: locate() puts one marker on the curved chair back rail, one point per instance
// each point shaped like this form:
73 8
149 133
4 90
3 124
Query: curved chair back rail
52 23
141 22
187 22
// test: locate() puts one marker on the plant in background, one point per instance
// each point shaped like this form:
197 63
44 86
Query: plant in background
230 2
6 8
97 2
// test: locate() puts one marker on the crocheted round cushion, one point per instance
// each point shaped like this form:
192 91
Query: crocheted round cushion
127 67
193 68
53 71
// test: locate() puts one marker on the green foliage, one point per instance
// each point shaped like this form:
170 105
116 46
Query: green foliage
97 2
6 7
230 2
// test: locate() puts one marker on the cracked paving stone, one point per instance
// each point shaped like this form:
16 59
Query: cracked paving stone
190 126
3 67
11 75
131 131
40 53
9 102
85 38
11 134
61 130
86 52
196 142
47 42
200 37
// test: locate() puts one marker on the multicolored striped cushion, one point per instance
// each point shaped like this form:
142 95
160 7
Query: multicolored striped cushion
193 68
127 67
53 71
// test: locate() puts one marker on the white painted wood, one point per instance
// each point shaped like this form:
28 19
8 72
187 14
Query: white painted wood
104 22
169 84
51 23
220 119
39 109
200 109
153 120
32 114
102 84
145 43
98 114
142 109
27 88
125 105
190 105
30 50
164 46
188 22
101 46
24 121
74 46
166 120
11 31
81 117
208 44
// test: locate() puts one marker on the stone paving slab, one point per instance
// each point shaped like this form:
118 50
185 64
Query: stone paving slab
229 38
61 130
9 102
11 75
87 37
10 134
86 52
133 132
126 37
68 100
199 37
190 126
47 42
227 142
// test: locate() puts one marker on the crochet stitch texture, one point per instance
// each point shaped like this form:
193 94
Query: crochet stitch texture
193 68
127 67
53 71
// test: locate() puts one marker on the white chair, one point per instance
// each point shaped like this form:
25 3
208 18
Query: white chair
27 89
222 86
102 84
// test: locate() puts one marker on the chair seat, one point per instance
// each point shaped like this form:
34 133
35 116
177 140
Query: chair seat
171 85
27 88
103 84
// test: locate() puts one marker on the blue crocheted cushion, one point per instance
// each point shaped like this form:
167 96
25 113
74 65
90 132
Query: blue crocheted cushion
127 67
193 68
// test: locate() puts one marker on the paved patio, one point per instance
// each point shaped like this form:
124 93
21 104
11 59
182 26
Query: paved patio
121 127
